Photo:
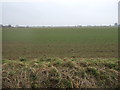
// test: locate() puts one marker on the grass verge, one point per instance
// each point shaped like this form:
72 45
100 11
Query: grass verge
60 73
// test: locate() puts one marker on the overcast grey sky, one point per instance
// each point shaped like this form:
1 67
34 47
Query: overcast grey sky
60 12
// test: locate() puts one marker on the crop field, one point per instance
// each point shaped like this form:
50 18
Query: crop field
79 42
60 57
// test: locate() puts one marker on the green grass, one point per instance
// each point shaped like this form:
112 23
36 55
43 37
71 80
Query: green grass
68 73
61 35
86 42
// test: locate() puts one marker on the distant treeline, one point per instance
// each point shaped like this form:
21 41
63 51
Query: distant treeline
21 26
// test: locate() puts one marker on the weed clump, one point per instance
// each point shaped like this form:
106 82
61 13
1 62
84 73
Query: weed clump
65 83
23 59
54 78
93 71
69 64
